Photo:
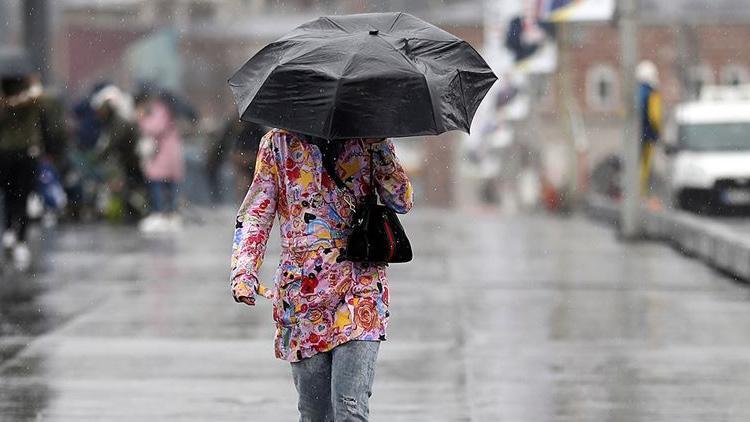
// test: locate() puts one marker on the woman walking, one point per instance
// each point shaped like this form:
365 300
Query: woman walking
330 313
347 79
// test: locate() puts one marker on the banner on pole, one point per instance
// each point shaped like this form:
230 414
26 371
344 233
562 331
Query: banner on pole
694 11
576 10
532 44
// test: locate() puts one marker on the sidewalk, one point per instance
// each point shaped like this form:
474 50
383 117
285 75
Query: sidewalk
527 319
723 242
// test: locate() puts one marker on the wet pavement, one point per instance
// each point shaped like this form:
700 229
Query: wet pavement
738 224
526 318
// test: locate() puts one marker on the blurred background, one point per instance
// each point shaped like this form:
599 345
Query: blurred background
631 113
553 120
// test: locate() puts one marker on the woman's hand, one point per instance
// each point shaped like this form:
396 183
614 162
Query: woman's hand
243 293
247 300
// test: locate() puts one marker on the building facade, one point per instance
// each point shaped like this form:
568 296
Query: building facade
688 56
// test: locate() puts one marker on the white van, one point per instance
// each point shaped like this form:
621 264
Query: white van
710 151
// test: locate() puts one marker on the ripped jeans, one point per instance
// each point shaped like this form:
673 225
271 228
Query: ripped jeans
336 386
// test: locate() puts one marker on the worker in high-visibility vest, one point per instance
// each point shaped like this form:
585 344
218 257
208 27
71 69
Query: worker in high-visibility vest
649 102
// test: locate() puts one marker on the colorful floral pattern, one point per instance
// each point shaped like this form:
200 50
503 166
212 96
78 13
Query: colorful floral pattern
319 302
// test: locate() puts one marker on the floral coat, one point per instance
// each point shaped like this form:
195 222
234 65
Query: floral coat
319 303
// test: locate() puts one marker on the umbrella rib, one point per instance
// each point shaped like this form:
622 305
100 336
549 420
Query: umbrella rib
329 124
332 22
402 54
457 41
400 14
463 100
424 78
432 104
261 51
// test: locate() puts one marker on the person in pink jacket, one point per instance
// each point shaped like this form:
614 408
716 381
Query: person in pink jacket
162 162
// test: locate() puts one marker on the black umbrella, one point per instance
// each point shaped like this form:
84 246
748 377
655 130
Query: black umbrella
367 75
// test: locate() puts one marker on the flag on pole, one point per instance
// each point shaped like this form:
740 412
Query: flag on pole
575 10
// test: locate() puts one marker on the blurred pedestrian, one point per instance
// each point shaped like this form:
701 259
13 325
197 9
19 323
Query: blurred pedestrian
116 154
162 161
80 177
649 103
330 313
240 140
32 127
89 126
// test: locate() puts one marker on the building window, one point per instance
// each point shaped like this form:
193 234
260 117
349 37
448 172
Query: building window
602 88
698 77
734 74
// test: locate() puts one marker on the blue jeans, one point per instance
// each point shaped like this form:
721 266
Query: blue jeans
163 196
336 385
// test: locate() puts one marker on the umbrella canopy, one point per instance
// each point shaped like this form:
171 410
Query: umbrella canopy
367 75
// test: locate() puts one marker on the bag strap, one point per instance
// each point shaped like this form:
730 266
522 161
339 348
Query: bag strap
372 198
372 169
337 179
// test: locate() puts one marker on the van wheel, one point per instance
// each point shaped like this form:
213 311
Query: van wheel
695 202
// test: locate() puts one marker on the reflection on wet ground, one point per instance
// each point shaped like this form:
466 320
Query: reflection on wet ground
527 318
23 317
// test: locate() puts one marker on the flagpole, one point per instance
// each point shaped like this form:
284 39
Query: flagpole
629 218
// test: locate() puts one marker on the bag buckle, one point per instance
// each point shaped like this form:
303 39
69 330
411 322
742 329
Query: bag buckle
349 202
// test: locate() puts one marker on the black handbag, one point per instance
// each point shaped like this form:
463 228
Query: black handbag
377 236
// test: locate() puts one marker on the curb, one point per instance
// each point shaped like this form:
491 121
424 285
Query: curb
714 243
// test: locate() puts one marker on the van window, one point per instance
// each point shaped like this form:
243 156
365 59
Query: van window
714 136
